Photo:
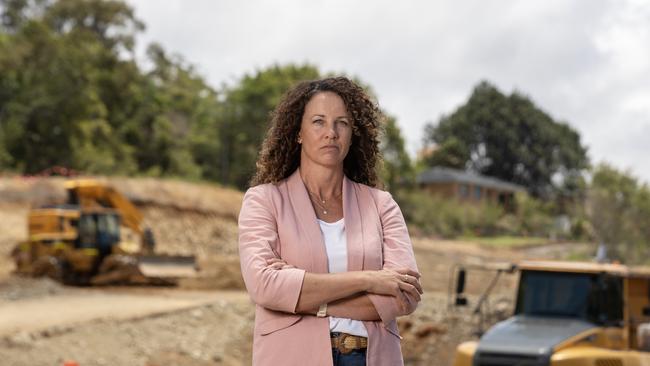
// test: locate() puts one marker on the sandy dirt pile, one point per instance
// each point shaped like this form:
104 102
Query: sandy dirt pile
208 320
215 332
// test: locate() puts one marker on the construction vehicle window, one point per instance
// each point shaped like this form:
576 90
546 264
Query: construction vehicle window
87 231
608 307
108 224
574 295
114 226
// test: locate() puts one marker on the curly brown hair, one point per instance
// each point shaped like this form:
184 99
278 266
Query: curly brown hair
280 153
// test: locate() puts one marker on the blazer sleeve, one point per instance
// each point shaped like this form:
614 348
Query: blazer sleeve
397 254
258 235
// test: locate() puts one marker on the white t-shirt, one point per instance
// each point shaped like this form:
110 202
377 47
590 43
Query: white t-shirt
337 261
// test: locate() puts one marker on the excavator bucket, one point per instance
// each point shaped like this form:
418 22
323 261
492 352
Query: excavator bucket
168 266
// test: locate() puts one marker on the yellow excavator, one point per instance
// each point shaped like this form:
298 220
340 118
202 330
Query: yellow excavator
566 314
96 238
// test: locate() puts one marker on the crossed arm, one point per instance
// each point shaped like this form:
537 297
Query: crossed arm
361 295
346 292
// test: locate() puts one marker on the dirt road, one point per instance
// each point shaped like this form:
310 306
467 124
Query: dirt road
43 323
77 306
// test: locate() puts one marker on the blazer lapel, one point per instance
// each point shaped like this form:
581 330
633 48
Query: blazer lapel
353 225
307 222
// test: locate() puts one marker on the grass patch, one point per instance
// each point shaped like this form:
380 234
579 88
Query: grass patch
579 256
506 241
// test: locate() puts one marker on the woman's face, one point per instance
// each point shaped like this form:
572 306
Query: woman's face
325 131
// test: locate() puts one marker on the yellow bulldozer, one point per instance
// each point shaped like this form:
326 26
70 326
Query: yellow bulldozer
567 314
96 238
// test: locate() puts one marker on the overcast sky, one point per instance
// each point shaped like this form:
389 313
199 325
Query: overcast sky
583 62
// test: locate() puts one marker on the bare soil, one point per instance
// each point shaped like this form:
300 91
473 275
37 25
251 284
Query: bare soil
206 320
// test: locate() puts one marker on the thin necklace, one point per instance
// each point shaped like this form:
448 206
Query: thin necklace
321 202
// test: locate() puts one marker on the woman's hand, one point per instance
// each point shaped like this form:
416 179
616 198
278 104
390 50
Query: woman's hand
393 282
277 263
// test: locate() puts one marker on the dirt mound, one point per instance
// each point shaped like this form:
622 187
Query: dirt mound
213 334
183 196
21 288
31 191
217 272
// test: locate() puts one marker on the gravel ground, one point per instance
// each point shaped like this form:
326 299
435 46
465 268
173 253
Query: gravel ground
212 334
20 288
218 333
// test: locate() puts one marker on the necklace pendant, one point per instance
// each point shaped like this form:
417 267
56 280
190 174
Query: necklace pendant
324 212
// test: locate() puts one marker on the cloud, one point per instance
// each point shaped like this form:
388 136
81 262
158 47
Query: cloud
586 63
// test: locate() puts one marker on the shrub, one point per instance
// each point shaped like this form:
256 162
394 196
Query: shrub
432 215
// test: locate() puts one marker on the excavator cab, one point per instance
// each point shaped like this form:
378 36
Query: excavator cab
98 230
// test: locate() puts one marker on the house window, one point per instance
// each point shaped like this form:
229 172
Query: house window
477 192
463 190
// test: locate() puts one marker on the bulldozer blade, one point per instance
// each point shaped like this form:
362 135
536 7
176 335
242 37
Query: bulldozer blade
172 266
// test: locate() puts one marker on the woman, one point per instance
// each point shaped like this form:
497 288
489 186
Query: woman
325 256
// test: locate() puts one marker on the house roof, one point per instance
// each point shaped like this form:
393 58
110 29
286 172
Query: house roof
448 175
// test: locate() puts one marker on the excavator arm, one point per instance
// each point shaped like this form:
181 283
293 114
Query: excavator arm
89 193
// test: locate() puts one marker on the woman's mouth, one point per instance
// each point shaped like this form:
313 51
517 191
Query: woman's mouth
328 147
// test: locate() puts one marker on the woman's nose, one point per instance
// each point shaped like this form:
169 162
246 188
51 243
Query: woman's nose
331 132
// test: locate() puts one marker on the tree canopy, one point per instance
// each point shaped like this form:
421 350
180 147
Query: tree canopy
618 209
510 138
247 109
397 169
72 94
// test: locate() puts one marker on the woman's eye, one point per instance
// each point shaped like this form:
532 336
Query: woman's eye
318 121
344 122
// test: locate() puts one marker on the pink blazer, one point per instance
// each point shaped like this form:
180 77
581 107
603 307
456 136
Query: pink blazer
279 221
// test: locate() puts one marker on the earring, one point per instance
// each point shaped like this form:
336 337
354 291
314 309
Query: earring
299 140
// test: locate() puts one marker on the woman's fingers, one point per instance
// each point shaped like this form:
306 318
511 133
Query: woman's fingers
277 263
409 272
413 281
394 282
407 287
410 276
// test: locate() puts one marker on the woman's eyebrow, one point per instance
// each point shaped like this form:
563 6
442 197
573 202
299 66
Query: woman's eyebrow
323 116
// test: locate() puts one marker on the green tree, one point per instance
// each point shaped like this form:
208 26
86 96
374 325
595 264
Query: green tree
449 153
174 126
619 211
397 169
56 112
508 137
72 94
247 107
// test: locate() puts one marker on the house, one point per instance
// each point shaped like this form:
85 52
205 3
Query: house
467 186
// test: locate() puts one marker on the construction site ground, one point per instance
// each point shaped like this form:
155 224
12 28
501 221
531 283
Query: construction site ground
207 320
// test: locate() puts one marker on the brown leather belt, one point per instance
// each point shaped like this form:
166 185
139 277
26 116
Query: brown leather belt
347 343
